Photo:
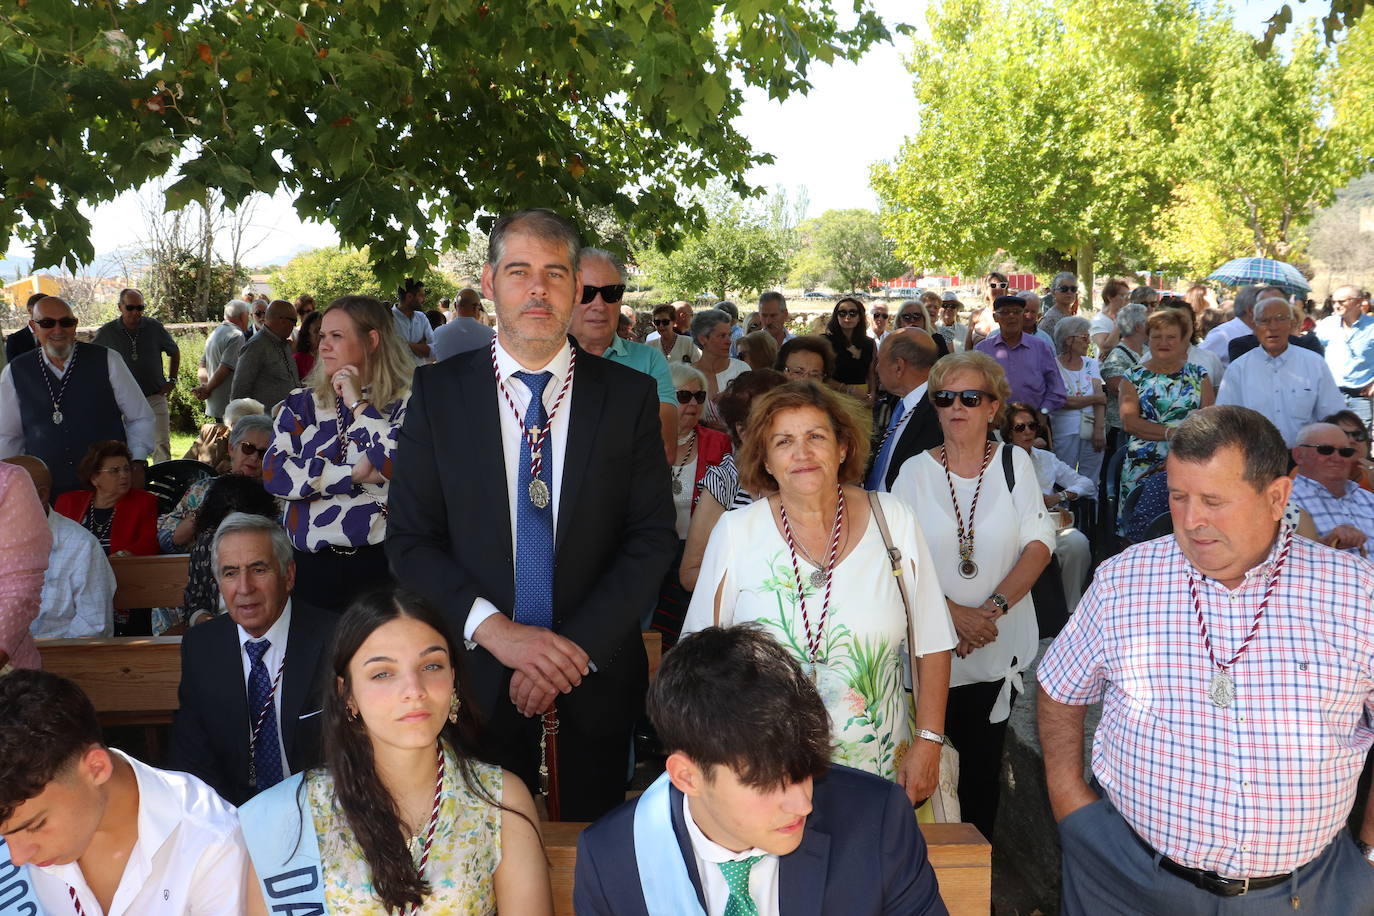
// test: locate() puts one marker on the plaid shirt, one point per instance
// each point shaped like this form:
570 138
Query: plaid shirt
1262 786
1355 508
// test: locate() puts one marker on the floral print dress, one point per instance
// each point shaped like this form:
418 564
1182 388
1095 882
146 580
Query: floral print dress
862 678
1164 399
462 859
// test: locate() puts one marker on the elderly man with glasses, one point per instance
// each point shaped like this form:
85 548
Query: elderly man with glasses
59 399
1348 336
142 341
1341 512
1064 295
1032 371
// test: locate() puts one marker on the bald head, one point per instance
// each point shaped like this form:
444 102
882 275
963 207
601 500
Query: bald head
38 471
904 360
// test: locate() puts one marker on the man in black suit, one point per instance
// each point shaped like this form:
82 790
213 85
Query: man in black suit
751 816
250 680
904 361
530 503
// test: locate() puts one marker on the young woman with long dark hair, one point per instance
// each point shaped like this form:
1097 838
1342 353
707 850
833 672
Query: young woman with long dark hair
402 817
855 365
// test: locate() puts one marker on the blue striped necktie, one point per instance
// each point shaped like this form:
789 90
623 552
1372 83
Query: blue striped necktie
533 525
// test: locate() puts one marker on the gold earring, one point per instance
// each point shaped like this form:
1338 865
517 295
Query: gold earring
453 708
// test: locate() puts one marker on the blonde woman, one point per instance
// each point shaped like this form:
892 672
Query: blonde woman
332 449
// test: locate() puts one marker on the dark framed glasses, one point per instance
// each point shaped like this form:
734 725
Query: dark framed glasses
687 397
662 322
609 294
969 397
912 318
1022 427
1067 289
48 324
847 313
880 316
1345 450
249 450
134 308
1357 435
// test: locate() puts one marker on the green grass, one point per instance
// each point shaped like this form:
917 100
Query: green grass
181 442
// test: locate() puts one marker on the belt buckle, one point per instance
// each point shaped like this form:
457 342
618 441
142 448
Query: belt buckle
1223 886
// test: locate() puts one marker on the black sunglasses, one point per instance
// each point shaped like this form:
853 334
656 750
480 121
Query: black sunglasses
969 397
847 313
1022 427
1067 289
249 450
687 397
49 323
997 284
663 322
609 294
1357 435
912 318
1345 451
133 308
877 315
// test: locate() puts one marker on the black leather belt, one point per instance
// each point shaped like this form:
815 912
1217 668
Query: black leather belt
1210 881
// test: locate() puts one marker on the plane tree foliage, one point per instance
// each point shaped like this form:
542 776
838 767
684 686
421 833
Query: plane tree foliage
399 122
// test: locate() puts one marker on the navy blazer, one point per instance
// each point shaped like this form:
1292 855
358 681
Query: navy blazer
210 729
921 433
861 854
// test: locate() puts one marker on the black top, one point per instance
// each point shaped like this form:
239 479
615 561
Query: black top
142 349
19 343
851 370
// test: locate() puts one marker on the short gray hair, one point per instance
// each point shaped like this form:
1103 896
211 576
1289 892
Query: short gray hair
683 373
1131 318
705 321
1066 328
729 308
235 308
543 224
1032 297
246 523
1144 295
773 295
253 423
606 256
1063 275
1245 300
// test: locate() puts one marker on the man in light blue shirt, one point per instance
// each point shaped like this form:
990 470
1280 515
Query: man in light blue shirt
463 332
411 323
1348 336
594 320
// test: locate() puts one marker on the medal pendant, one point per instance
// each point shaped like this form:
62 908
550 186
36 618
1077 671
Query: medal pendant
1222 690
539 493
57 417
968 569
677 486
818 578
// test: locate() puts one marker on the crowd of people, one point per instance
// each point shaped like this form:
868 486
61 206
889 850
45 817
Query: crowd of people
425 550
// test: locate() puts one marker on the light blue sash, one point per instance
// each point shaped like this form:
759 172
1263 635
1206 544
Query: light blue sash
663 876
17 897
285 850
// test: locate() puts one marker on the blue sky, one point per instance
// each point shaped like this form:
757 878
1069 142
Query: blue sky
825 141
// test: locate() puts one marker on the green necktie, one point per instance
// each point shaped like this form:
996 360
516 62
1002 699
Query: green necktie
737 878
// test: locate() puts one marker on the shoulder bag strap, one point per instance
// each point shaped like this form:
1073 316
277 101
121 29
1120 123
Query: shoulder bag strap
1008 469
894 558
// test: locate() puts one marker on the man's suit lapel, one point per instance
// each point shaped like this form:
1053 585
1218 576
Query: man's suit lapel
225 666
802 874
588 397
908 441
303 645
684 842
477 410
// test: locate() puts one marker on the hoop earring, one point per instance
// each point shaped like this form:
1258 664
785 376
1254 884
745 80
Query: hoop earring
453 708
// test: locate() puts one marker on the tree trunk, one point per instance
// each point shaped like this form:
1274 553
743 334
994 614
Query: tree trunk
1085 253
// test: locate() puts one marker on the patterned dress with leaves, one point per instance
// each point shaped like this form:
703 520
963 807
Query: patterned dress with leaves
862 679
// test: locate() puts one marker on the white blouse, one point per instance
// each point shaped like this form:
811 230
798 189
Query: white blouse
1005 524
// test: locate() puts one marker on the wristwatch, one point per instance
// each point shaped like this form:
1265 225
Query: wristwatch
354 405
1000 600
929 735
1366 850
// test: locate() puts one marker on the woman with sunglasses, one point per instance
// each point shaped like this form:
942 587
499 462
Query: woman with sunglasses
121 516
698 448
677 348
711 330
855 366
332 450
248 442
990 536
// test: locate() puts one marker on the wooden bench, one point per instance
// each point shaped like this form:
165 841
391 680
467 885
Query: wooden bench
150 581
961 857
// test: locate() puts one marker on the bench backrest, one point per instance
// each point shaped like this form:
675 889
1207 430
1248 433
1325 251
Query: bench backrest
150 581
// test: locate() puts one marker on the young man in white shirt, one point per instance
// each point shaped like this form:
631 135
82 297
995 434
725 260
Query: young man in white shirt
90 830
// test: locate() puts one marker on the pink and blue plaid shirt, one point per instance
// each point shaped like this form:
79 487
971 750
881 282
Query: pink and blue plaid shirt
1262 786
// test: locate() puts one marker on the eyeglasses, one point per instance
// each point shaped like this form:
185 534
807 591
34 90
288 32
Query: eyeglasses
249 450
880 316
799 372
1345 451
1066 289
847 313
1357 435
969 397
912 318
609 294
662 322
1345 301
50 323
1022 427
122 469
130 307
1275 319
997 284
687 397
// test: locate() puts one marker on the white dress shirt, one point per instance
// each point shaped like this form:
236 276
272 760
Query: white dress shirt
78 587
272 659
1292 389
139 427
909 402
763 877
1218 339
415 329
189 859
1051 471
511 431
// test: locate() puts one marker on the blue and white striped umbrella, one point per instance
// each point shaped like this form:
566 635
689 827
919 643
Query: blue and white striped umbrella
1240 271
